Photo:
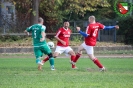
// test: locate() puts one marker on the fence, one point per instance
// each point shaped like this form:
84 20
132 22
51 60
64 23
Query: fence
10 23
9 28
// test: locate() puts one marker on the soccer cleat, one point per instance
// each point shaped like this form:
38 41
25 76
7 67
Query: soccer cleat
102 69
52 68
74 67
41 63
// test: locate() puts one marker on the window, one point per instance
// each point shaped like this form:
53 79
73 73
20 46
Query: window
9 9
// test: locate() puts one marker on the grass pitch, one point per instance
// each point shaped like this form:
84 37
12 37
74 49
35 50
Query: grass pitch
22 73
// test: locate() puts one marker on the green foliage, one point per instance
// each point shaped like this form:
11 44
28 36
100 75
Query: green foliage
77 38
126 29
10 38
54 11
77 9
49 10
22 6
107 12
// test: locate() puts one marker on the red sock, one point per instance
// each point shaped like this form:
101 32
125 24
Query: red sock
77 57
46 59
97 62
72 58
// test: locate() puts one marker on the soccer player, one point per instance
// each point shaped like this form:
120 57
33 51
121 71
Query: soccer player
90 40
62 37
39 43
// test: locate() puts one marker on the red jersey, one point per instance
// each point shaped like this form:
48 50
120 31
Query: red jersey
92 31
63 34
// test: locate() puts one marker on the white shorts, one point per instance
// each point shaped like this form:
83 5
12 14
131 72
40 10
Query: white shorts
89 49
65 50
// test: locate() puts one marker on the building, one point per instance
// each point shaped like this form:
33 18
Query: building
7 14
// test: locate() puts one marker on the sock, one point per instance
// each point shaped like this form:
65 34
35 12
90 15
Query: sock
51 61
97 62
46 59
77 57
72 58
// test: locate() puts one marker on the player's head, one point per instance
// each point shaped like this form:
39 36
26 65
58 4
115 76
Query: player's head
91 19
40 20
66 24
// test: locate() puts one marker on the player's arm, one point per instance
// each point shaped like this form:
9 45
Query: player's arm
82 33
101 26
28 30
43 33
43 36
57 38
110 27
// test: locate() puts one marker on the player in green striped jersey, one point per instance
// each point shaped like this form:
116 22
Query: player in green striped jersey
39 43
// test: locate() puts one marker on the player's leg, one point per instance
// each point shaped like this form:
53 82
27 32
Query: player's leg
70 51
97 62
51 60
79 53
58 51
90 52
46 50
38 55
45 59
56 54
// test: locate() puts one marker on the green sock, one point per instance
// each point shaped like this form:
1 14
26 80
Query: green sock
51 61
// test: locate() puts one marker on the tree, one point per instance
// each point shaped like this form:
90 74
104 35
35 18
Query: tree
35 11
54 11
28 7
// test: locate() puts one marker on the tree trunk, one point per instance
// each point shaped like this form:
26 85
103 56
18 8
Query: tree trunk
34 13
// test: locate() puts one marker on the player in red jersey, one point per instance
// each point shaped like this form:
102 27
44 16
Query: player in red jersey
62 37
90 40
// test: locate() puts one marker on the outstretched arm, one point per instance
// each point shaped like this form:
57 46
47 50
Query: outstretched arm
82 33
110 27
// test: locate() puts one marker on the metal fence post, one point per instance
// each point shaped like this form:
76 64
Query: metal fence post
99 34
114 35
116 23
131 8
75 25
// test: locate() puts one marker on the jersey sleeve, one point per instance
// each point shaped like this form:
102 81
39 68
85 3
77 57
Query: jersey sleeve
29 29
58 33
101 26
43 28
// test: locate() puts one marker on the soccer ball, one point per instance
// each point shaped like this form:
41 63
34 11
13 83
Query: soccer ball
51 44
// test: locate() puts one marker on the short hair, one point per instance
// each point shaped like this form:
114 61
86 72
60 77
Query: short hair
40 19
92 17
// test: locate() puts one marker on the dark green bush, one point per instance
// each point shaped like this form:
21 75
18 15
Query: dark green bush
126 29
10 38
